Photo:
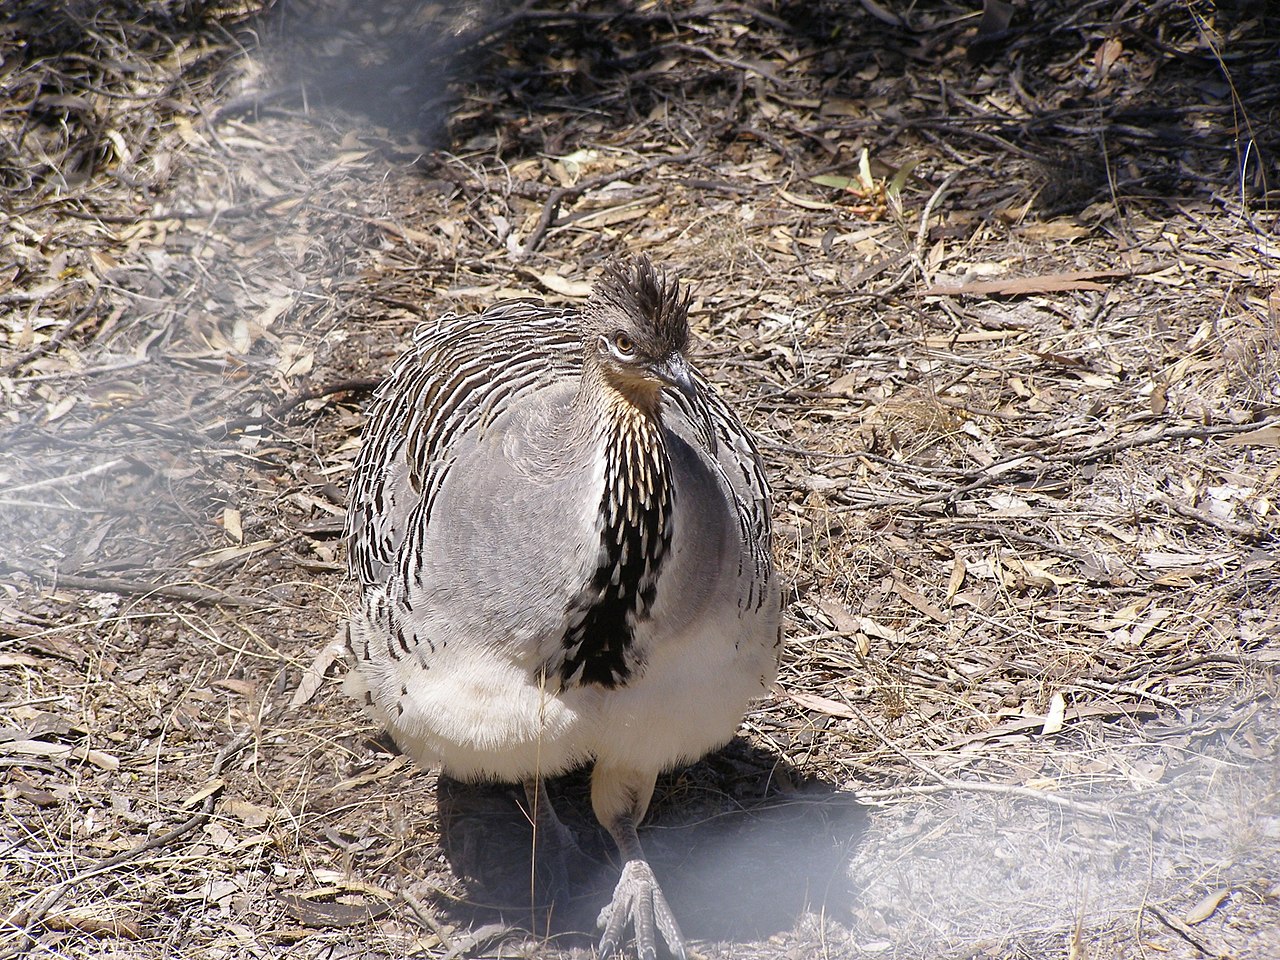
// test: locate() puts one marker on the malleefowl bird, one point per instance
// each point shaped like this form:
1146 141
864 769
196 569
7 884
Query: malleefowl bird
562 538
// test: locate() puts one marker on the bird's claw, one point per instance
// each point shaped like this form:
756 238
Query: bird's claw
639 900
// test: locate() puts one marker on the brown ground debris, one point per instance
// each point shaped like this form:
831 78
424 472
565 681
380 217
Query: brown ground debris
1000 295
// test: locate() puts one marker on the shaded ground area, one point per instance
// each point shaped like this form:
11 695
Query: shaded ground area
998 295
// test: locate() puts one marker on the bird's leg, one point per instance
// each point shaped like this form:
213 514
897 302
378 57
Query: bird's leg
554 846
620 802
637 899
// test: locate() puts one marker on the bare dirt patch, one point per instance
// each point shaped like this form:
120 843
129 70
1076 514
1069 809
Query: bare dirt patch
999 298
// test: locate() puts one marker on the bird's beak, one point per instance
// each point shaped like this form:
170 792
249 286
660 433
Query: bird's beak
676 372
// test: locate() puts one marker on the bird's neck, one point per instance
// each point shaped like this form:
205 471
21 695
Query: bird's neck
635 522
636 501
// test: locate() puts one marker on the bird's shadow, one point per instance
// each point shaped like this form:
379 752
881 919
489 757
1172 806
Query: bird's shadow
742 845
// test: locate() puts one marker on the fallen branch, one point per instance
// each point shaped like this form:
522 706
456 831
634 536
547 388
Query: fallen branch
65 478
1001 789
1182 930
1009 466
359 385
947 784
138 588
561 194
54 342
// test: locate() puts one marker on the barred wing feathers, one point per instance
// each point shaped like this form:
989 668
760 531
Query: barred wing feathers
460 373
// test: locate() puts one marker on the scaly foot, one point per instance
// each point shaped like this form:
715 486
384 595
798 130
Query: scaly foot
638 902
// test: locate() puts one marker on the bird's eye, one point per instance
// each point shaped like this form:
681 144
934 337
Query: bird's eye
624 346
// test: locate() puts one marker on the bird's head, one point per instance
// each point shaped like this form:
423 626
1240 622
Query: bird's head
637 332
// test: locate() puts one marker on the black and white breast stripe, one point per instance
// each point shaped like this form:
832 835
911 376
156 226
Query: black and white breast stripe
635 520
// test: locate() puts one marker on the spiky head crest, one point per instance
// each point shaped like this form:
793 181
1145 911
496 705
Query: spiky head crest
642 302
636 331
